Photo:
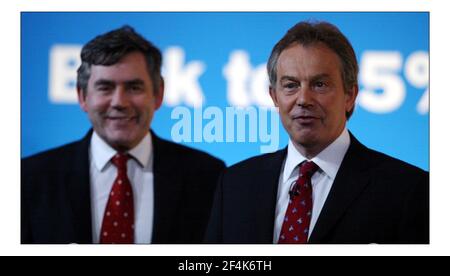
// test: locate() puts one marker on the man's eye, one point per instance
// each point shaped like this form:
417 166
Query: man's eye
103 88
291 85
320 84
135 87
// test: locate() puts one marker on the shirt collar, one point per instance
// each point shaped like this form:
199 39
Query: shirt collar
102 152
329 160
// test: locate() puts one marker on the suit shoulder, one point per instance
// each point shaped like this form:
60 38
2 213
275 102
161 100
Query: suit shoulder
389 164
192 157
50 158
260 162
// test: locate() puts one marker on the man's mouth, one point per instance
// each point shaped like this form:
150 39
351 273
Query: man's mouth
305 119
121 118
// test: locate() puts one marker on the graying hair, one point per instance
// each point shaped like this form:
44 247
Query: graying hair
107 49
309 33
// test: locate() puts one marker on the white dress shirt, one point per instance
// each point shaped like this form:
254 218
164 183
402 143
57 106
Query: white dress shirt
140 172
329 160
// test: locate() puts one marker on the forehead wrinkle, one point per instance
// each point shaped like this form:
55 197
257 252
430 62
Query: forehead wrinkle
307 63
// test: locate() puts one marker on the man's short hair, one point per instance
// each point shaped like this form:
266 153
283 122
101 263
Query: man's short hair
309 33
107 49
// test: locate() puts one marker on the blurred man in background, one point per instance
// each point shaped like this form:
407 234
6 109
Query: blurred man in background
120 183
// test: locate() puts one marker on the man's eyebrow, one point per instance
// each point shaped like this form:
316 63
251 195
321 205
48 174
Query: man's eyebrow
312 78
135 82
288 78
320 76
112 83
104 82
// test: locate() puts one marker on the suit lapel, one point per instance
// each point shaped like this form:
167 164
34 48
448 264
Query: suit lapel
265 199
167 190
78 187
350 181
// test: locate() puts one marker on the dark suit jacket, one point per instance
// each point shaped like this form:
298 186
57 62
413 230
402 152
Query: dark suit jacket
55 193
374 199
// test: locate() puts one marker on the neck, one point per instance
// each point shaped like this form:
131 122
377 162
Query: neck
309 152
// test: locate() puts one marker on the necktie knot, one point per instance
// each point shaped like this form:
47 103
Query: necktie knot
308 168
120 161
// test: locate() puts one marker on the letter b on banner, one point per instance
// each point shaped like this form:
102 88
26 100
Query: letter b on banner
64 61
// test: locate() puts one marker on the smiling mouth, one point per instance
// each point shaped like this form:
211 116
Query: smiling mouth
121 119
305 119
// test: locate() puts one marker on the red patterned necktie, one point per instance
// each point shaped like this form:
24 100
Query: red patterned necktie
118 220
297 219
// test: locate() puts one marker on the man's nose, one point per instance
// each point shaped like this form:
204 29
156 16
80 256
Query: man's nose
304 96
120 97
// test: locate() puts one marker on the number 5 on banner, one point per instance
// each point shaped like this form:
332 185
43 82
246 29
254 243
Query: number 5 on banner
384 90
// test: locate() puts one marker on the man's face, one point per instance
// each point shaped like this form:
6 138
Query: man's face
310 96
120 101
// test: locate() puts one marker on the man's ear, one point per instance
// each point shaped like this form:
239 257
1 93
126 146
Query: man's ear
159 95
351 98
273 95
82 99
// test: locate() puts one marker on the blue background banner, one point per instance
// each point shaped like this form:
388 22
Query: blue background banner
215 62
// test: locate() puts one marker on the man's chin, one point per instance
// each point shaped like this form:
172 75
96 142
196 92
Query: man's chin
306 139
121 141
304 135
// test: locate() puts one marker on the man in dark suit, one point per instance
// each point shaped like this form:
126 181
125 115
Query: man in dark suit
120 183
325 187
